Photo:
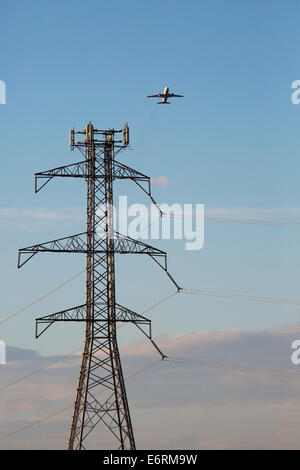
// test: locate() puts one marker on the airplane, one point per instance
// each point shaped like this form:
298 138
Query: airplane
164 96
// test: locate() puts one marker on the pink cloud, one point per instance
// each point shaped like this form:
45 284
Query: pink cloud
160 181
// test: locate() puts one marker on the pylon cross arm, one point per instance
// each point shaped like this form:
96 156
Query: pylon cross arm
78 244
72 244
79 314
81 170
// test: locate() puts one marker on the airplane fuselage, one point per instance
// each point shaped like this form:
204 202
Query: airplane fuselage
165 97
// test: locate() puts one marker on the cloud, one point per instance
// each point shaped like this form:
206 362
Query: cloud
172 405
22 216
37 219
160 181
41 213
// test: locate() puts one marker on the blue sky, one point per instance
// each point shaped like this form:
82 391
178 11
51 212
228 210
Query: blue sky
232 143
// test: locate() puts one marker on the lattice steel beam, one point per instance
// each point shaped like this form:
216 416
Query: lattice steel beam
101 366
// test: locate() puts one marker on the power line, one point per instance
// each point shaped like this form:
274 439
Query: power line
41 298
58 287
45 366
62 410
49 364
160 302
233 367
232 220
20 379
176 360
183 290
238 220
229 295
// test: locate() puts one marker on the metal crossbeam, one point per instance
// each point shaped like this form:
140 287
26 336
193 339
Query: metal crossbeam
80 170
78 314
78 244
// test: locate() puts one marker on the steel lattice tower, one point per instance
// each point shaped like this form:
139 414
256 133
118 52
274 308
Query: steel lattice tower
101 369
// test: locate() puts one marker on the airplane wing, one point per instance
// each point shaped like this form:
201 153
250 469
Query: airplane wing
171 95
154 96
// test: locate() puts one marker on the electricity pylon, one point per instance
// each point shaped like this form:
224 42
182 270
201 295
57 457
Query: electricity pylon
101 369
